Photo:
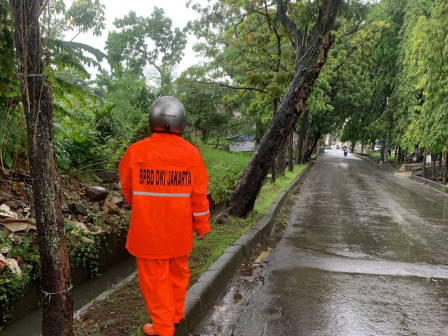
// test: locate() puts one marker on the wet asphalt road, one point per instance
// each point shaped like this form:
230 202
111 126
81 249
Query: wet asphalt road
365 253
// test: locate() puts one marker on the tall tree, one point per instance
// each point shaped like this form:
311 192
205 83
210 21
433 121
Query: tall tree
146 41
37 101
249 46
310 59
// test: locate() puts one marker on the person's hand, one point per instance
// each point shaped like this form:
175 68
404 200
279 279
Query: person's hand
200 236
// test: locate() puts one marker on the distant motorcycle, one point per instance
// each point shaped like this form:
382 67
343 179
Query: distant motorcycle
345 151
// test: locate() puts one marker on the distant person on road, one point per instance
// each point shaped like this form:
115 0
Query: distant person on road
345 150
163 179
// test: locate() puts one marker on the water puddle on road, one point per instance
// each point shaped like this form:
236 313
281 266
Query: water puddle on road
221 319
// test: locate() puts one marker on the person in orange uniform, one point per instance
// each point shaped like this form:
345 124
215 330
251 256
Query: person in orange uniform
164 180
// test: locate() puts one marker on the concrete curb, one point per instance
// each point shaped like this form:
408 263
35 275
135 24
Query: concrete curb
212 282
435 185
430 183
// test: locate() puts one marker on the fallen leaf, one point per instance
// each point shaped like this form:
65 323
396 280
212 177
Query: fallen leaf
82 227
87 240
15 227
98 231
5 210
17 220
263 255
5 250
76 231
12 265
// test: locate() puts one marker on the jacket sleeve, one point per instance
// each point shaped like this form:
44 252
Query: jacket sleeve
126 177
199 201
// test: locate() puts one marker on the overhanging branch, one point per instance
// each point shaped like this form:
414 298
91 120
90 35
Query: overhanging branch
245 88
361 25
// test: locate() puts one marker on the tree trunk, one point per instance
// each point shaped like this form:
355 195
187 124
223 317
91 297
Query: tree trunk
397 157
307 149
386 149
302 135
310 62
290 151
38 105
277 165
312 147
304 148
280 162
259 131
424 164
445 176
434 171
352 149
439 170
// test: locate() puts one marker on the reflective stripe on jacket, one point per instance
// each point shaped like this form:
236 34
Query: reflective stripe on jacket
164 179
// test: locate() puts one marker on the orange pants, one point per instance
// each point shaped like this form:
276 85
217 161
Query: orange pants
164 283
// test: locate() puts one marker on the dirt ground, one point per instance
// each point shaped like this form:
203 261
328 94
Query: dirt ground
122 313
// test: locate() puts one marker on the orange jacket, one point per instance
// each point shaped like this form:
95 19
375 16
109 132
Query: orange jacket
164 179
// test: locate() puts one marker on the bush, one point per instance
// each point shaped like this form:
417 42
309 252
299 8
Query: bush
222 183
11 285
224 170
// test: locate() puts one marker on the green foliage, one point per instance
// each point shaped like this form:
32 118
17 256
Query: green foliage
84 248
12 286
141 42
6 51
432 124
210 111
250 52
270 191
12 135
75 55
123 118
357 95
376 156
87 15
12 123
224 179
224 170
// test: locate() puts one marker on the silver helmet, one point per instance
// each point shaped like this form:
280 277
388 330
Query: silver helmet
167 114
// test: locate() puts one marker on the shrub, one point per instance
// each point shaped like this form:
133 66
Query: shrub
224 170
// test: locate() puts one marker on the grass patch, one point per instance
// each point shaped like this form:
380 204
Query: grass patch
206 252
270 191
212 157
224 170
376 156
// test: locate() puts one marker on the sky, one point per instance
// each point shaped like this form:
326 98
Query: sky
174 9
